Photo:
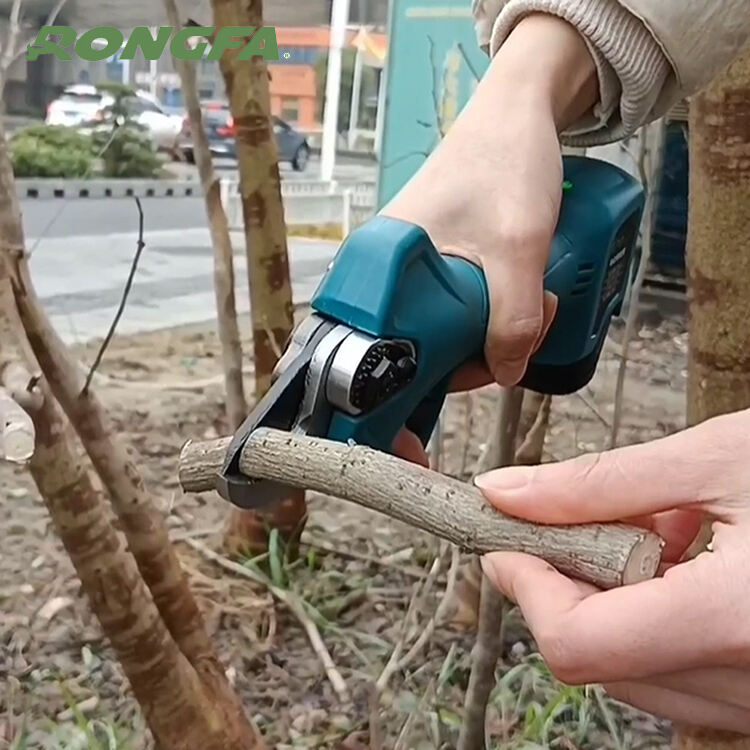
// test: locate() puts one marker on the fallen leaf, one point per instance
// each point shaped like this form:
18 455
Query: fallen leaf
53 607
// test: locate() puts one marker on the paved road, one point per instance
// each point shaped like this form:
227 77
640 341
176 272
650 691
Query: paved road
80 264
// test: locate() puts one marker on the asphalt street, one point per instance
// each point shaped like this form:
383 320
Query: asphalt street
81 252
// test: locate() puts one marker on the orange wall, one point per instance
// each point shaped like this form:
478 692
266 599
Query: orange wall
315 36
295 82
298 82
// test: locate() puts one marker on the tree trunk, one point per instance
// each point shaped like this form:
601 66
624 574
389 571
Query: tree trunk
247 85
226 310
719 276
117 594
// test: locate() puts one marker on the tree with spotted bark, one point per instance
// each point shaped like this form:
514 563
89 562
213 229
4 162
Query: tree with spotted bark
132 577
226 307
247 86
719 279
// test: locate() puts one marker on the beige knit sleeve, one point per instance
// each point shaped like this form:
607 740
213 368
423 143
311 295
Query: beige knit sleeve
632 67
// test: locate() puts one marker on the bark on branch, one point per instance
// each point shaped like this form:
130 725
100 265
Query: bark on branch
607 555
218 225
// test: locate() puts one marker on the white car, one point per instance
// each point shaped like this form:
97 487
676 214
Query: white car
83 105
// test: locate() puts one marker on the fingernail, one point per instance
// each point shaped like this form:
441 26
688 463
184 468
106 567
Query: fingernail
512 478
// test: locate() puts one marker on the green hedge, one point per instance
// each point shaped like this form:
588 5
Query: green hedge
57 151
51 151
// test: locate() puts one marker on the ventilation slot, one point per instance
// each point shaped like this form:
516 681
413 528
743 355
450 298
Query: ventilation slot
583 279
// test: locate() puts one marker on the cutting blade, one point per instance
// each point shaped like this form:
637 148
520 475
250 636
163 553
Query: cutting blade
279 408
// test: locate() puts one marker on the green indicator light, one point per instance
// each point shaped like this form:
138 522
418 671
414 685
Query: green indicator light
567 185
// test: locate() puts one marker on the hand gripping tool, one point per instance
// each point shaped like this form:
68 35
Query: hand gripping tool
393 319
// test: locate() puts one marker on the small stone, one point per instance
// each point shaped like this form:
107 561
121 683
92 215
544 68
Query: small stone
518 650
17 493
37 562
89 660
84 707
26 589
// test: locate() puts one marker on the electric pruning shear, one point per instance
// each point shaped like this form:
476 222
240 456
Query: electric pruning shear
393 319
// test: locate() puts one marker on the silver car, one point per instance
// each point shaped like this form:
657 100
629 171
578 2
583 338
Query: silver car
82 105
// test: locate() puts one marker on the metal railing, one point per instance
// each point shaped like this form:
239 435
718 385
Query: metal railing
312 202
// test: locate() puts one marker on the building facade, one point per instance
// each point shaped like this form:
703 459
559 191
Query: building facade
302 32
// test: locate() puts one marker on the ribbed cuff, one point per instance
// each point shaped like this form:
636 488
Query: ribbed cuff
631 65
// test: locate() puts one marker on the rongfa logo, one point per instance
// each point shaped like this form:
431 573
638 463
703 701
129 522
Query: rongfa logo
103 42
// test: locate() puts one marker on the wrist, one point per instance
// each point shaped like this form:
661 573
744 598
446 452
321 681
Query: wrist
546 64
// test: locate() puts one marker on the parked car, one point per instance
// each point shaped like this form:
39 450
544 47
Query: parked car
83 106
221 132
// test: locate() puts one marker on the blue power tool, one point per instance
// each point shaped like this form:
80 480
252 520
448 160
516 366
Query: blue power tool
393 319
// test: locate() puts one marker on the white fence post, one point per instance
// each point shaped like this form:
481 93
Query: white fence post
346 224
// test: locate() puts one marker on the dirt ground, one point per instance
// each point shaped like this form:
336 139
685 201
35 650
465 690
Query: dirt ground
357 573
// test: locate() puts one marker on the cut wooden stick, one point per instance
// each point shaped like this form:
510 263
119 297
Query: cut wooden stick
17 434
607 555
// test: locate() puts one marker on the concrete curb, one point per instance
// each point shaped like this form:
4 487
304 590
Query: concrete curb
51 187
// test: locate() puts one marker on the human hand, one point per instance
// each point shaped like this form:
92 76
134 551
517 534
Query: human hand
677 646
491 190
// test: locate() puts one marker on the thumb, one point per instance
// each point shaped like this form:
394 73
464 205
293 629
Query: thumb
517 313
691 468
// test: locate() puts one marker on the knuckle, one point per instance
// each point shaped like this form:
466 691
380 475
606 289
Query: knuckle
517 335
559 656
597 467
524 236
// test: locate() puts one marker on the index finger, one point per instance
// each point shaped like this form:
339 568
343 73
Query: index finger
631 633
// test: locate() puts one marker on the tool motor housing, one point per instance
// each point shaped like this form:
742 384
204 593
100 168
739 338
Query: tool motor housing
389 281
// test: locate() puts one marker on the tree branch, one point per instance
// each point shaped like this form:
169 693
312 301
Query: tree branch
16 52
500 451
607 555
221 243
295 605
19 396
125 292
648 177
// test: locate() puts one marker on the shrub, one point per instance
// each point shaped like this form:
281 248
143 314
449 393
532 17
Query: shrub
51 151
127 152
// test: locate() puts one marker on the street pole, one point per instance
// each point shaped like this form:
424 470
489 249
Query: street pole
380 116
339 20
154 69
356 91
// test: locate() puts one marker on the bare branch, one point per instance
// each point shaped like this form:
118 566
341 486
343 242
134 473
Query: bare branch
531 450
126 291
474 71
648 176
593 408
296 607
442 608
500 451
20 51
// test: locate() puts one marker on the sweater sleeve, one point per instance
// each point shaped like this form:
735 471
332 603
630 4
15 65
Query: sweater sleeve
632 67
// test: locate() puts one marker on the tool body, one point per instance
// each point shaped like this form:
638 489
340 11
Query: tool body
394 319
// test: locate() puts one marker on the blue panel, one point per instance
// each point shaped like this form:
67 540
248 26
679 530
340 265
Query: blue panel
671 213
434 64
